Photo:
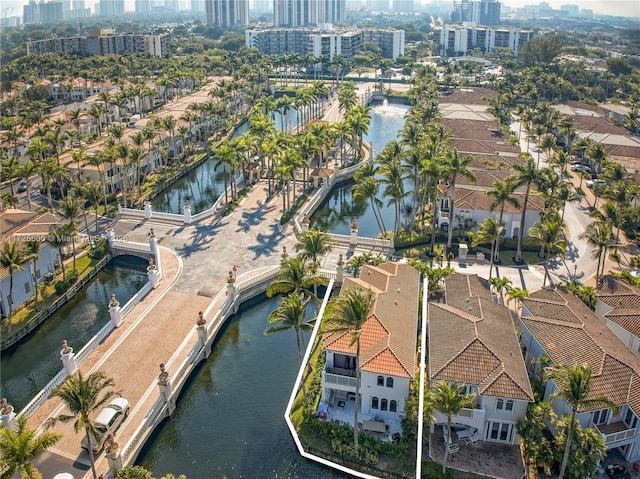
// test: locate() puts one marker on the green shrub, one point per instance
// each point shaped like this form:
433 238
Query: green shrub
433 470
100 248
61 287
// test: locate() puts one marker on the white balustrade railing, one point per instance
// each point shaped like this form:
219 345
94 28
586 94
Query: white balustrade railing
43 395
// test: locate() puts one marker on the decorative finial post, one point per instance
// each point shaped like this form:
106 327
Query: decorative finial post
284 254
153 274
7 415
340 270
148 213
114 311
305 223
353 240
114 457
201 328
153 242
164 385
187 212
67 358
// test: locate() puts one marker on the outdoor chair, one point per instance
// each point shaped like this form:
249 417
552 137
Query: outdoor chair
453 448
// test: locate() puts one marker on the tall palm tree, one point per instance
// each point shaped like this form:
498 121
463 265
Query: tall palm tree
32 249
598 234
313 244
489 231
350 312
294 276
526 174
456 166
71 208
19 448
291 314
548 233
83 396
574 388
366 187
448 399
12 259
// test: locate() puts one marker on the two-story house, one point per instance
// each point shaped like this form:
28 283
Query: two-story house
20 226
618 306
559 328
473 342
388 346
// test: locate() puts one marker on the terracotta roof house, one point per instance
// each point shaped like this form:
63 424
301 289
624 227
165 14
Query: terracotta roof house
388 347
556 324
20 226
618 306
473 342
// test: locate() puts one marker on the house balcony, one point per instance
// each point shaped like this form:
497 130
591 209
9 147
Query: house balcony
471 417
615 432
339 378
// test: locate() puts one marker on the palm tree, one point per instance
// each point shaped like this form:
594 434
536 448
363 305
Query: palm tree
449 400
548 234
526 174
574 388
32 253
83 396
598 234
12 259
517 295
489 231
350 312
290 314
313 244
500 285
294 276
71 208
366 187
19 448
456 167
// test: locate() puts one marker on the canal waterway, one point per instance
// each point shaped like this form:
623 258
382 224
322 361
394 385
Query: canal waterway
29 366
340 208
229 421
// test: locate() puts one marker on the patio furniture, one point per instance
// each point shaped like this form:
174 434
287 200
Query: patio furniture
374 426
464 434
341 403
473 439
396 437
453 448
616 471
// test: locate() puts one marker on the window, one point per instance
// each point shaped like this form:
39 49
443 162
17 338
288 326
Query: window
502 405
500 432
389 382
380 381
38 274
374 402
27 288
10 298
601 416
393 406
383 405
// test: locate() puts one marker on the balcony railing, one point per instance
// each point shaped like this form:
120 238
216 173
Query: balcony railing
339 379
615 432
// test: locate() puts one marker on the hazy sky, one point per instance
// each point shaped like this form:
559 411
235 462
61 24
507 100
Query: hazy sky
624 8
627 8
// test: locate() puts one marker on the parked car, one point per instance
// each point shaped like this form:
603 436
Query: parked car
107 422
580 167
596 182
22 187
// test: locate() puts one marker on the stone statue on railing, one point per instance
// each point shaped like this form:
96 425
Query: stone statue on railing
68 359
115 312
7 414
186 210
153 274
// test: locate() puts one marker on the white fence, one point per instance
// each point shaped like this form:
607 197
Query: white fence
59 378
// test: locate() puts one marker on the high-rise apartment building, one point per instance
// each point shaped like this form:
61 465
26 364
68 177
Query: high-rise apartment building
301 13
98 44
481 12
51 12
111 8
456 40
377 5
227 13
402 6
143 6
31 12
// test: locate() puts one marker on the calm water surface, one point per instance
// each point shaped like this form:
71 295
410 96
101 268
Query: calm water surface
229 422
26 368
337 211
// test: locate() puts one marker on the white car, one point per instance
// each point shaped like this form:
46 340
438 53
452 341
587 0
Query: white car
596 182
107 422
580 167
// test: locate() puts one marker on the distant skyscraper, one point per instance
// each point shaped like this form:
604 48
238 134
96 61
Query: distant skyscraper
31 12
377 5
227 13
262 5
402 6
197 6
171 5
481 12
572 10
143 6
300 13
111 8
51 12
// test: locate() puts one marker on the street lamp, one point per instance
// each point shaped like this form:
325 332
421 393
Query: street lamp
575 274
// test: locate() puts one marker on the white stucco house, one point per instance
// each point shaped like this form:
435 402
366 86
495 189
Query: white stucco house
388 347
618 305
473 343
557 325
20 226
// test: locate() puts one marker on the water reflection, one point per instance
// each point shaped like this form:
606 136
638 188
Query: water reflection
29 366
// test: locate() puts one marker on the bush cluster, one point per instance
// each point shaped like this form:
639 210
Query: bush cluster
62 286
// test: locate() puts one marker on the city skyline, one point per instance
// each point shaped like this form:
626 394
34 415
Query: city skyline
626 8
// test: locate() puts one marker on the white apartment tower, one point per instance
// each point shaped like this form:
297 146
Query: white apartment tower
227 13
301 13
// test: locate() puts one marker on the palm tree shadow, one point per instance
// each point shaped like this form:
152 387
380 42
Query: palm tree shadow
267 244
201 240
255 217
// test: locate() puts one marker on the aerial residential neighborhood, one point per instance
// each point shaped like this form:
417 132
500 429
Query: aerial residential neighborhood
353 238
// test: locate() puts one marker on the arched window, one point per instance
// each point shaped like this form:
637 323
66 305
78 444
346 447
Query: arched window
393 406
389 382
380 380
374 403
383 405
